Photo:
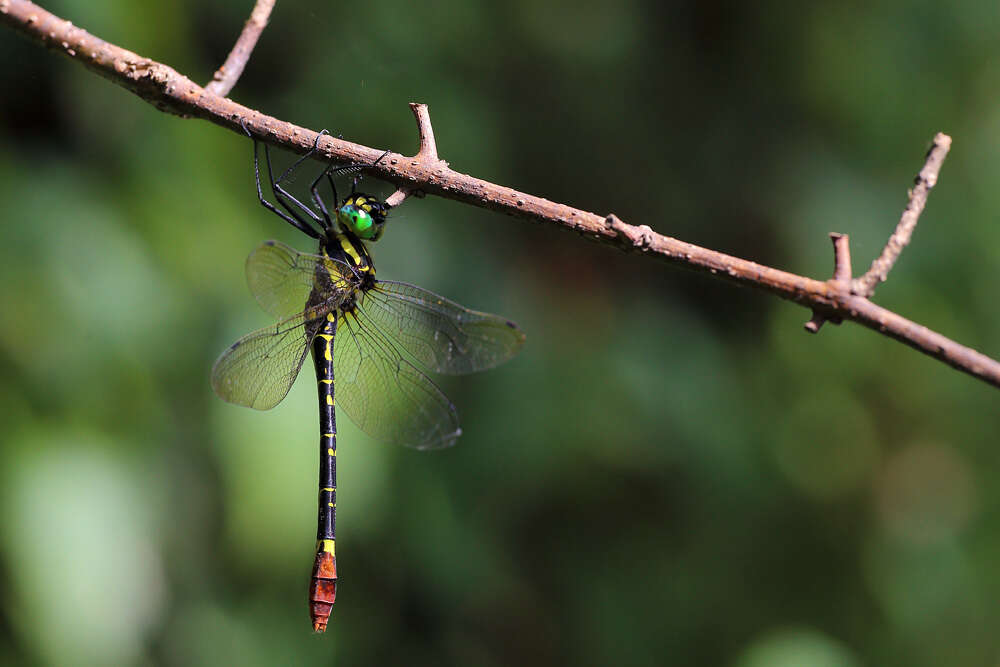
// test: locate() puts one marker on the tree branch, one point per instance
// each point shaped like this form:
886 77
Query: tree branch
425 173
226 76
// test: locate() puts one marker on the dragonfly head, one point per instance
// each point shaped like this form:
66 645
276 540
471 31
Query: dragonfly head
363 216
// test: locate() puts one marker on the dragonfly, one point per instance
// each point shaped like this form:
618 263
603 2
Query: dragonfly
372 340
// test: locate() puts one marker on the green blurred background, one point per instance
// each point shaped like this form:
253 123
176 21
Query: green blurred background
672 472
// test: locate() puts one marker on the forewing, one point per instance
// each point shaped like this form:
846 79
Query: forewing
281 277
384 394
258 370
442 335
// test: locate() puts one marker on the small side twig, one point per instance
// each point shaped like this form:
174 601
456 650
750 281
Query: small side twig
841 279
226 76
426 154
925 180
841 258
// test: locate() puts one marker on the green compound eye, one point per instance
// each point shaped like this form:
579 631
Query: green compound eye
359 222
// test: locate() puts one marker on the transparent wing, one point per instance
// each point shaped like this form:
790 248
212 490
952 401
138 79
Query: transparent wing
281 277
384 394
442 335
258 370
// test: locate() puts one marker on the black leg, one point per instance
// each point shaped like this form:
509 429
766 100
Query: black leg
354 182
329 172
302 159
314 189
284 197
293 219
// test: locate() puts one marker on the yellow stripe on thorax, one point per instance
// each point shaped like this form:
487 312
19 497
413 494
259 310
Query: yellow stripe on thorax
348 247
336 275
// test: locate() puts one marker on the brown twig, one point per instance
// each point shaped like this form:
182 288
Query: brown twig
841 280
172 92
226 76
925 180
841 258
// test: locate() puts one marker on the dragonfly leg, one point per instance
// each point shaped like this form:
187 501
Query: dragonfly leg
314 189
279 191
295 165
291 217
284 197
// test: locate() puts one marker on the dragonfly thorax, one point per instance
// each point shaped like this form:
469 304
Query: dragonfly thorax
348 261
363 216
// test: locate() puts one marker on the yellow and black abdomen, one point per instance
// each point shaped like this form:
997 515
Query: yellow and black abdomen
323 585
346 270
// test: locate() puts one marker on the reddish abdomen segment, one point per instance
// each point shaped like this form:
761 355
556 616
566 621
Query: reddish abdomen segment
322 588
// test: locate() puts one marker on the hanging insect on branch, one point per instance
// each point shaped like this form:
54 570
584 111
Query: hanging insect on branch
370 339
